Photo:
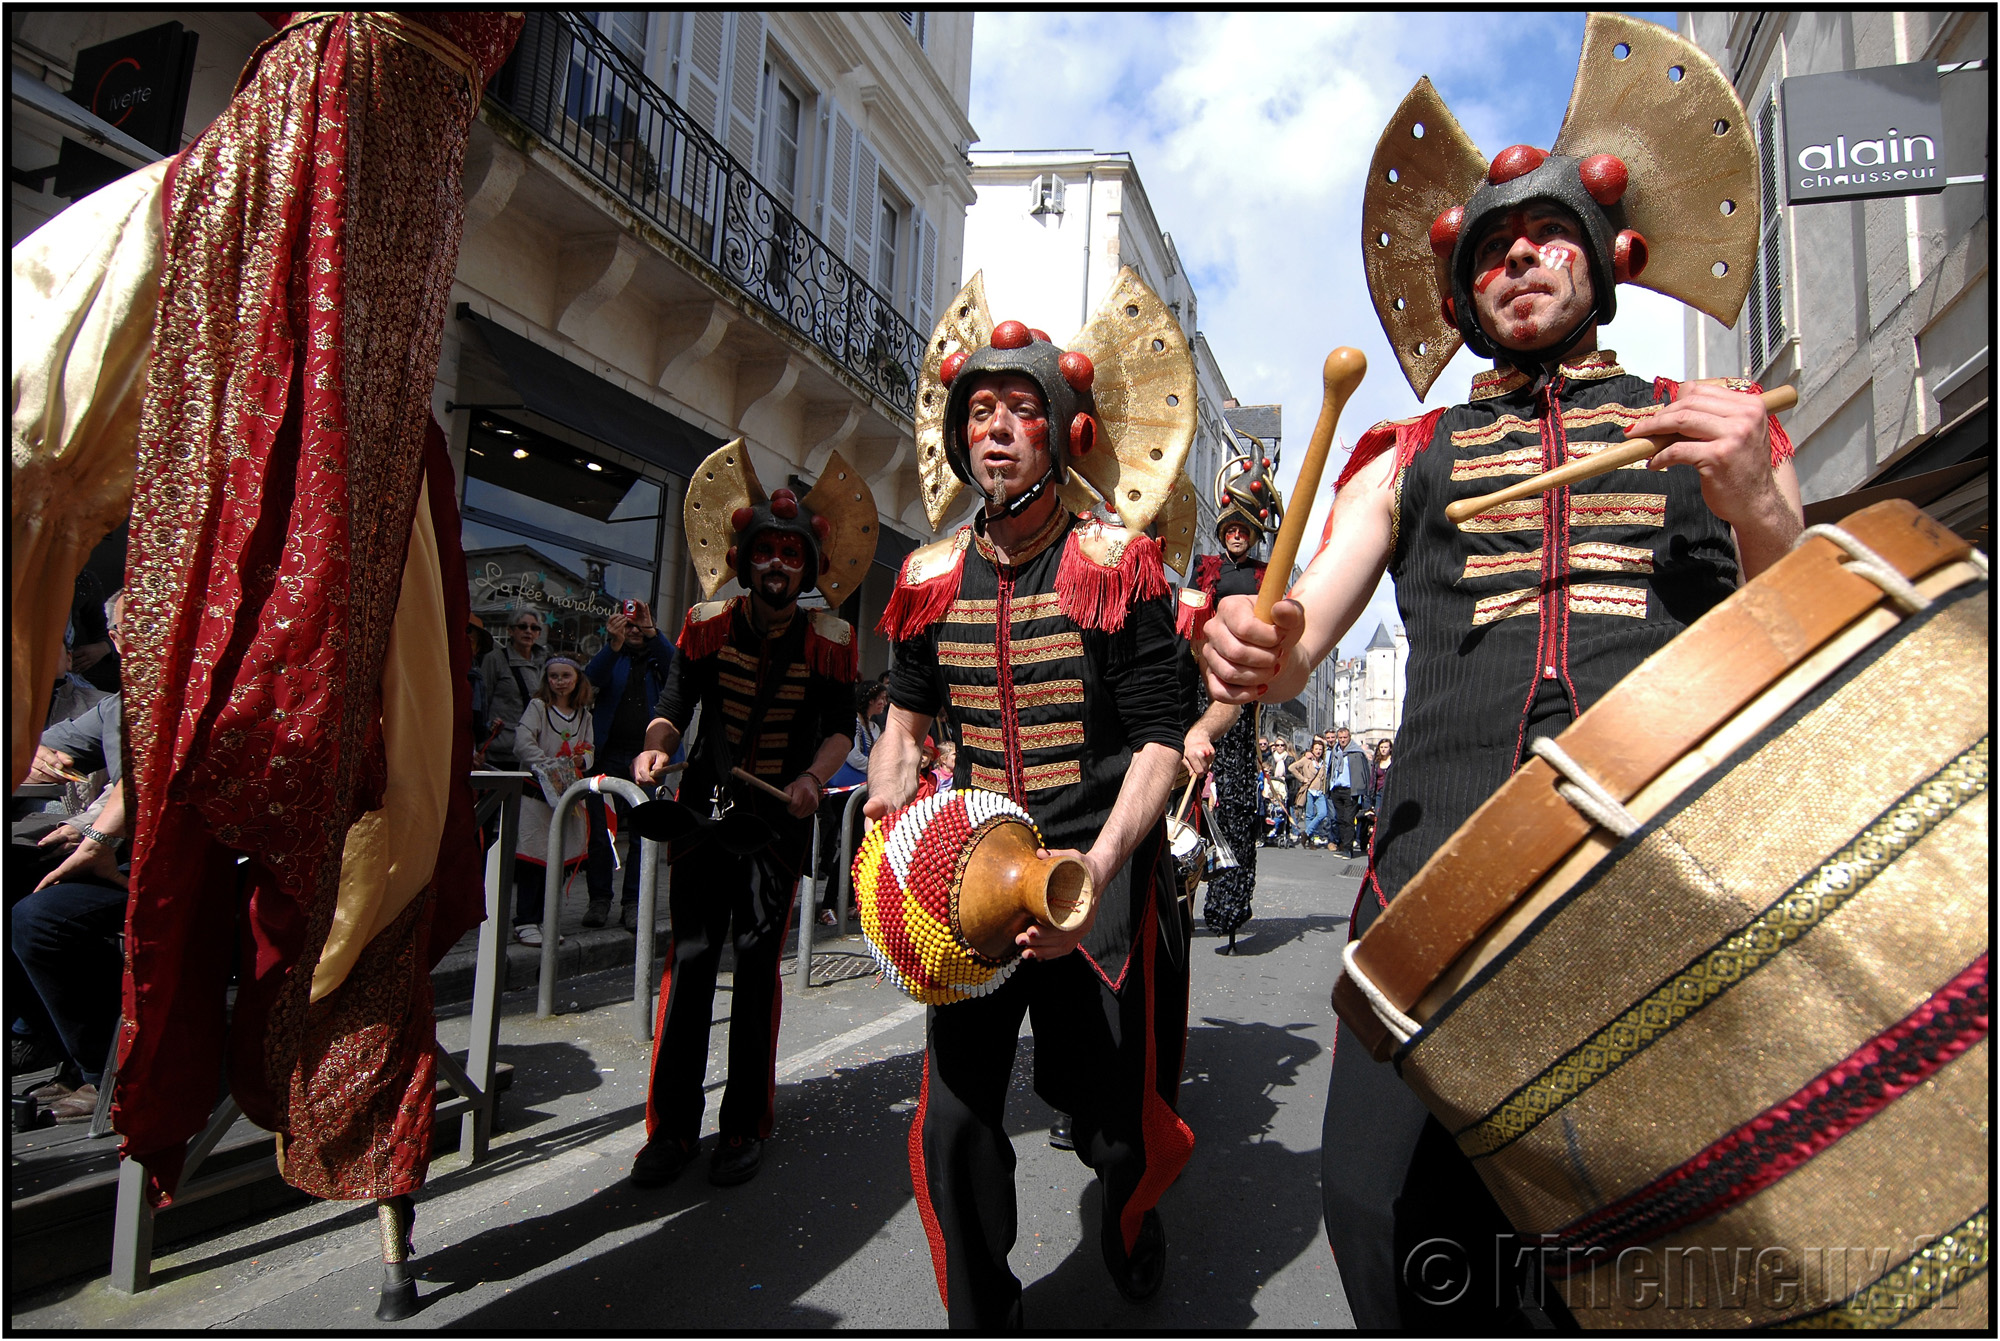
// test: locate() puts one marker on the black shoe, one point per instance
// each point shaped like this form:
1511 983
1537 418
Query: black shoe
1138 1275
597 913
735 1160
661 1162
628 916
1062 1136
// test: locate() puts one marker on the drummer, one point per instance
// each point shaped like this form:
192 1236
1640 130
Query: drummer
1517 623
1051 637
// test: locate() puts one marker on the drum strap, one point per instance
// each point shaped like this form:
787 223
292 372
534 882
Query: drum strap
1402 1026
1586 793
1867 563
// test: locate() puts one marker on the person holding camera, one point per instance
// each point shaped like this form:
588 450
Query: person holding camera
628 672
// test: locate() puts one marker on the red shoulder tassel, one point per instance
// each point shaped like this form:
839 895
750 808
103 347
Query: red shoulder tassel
704 638
1096 597
1409 436
912 609
833 660
1666 390
1208 572
1189 620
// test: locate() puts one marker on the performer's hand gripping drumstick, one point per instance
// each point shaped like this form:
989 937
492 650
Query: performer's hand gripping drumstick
1629 452
1340 375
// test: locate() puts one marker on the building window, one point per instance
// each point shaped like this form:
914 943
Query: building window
555 529
1764 313
916 21
627 30
1045 195
782 113
885 247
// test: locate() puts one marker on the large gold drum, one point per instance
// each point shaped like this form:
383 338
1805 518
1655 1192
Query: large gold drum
1703 990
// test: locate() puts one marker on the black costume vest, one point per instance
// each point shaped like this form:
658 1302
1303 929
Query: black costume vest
1563 594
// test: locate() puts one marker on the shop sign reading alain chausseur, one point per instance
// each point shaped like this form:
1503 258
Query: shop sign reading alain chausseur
1856 134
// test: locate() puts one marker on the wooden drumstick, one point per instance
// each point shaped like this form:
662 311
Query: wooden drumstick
1344 369
762 785
1624 454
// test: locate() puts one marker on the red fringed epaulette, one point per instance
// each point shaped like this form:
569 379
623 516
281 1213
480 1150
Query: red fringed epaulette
1207 572
1409 436
1666 390
705 629
1104 570
1191 611
830 647
926 586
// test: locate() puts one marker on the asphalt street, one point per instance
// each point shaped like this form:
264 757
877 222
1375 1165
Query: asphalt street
548 1234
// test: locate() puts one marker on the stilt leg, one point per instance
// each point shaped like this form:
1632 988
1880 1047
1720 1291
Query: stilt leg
397 1218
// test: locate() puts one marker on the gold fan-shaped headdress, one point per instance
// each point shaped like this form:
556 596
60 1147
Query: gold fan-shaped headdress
726 503
1141 392
1643 94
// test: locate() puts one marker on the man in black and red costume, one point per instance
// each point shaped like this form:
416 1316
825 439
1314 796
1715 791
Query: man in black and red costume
1523 617
1050 638
775 685
1225 735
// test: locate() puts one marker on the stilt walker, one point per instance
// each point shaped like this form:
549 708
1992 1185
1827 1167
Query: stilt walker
294 589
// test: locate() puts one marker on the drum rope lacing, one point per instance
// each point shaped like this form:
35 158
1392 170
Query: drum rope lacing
1397 1023
1586 793
1865 562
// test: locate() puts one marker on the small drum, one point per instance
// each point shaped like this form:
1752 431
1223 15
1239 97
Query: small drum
1703 989
945 884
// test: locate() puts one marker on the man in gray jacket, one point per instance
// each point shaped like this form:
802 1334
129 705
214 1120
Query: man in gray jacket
1349 779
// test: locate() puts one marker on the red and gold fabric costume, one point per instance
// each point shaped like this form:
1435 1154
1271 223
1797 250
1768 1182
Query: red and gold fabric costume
284 446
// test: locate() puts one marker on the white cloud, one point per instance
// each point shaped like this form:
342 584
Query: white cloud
1252 133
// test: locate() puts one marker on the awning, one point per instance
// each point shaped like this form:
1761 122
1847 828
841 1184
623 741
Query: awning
892 547
553 387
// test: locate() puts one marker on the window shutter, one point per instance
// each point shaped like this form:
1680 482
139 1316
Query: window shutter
867 189
701 71
923 286
746 81
1764 325
839 181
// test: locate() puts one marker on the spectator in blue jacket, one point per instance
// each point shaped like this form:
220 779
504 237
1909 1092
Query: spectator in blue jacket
629 672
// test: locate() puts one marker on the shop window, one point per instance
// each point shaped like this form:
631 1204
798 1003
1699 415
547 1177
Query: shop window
552 528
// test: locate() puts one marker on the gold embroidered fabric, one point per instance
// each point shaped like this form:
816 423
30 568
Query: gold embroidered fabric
392 852
80 325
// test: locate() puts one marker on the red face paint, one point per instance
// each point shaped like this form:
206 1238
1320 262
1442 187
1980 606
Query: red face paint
1486 278
770 551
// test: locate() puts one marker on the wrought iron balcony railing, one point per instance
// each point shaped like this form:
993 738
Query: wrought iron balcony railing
568 84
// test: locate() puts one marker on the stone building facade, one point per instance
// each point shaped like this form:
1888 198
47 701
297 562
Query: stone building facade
1879 311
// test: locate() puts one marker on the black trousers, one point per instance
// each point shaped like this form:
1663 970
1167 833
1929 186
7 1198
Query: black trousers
1345 808
1420 1243
64 941
715 897
1111 1060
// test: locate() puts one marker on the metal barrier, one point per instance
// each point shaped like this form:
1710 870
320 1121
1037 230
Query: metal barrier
649 870
845 875
808 905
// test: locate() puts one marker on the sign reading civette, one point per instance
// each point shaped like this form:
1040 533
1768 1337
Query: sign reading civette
1856 134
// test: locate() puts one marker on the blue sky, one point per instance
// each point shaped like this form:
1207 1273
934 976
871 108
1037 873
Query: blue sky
1252 132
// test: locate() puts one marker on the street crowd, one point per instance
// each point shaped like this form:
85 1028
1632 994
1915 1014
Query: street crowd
1324 797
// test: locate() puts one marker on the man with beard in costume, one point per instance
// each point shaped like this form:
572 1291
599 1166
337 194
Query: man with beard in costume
1050 636
775 684
1527 614
1247 509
